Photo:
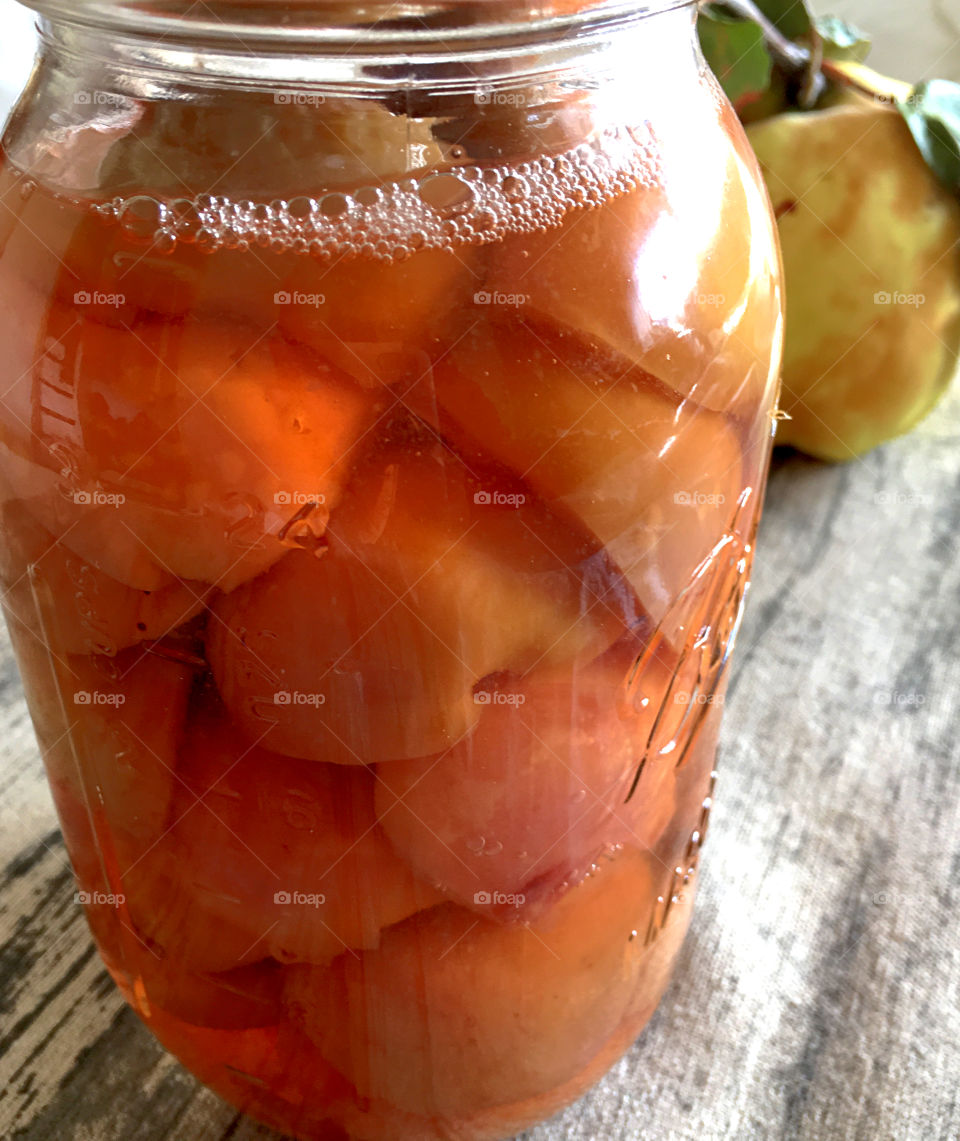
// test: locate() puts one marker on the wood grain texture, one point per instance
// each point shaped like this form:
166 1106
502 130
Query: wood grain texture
817 995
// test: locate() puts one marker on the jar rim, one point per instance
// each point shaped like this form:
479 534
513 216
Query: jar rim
358 28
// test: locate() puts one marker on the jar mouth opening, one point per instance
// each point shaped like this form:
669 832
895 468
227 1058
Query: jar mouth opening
354 28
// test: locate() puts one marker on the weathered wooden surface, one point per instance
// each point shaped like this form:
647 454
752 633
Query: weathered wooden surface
817 995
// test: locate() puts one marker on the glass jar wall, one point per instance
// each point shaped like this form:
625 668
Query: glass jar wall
384 420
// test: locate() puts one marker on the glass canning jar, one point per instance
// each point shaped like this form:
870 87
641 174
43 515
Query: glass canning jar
387 392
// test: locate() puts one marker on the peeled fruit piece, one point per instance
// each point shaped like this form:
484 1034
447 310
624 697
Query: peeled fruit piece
268 856
320 659
329 147
453 1014
40 473
199 440
869 248
680 278
79 608
522 807
37 674
376 320
371 652
256 142
39 670
125 716
506 582
380 1121
655 479
534 122
271 428
367 316
232 1000
184 913
107 273
264 1070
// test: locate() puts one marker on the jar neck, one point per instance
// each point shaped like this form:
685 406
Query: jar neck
425 46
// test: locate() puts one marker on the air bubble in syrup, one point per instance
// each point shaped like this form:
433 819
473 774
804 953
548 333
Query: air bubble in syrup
302 209
368 196
468 205
187 219
164 241
447 194
142 216
515 187
207 239
335 205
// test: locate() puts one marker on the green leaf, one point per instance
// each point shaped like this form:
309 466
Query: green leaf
792 17
932 113
737 56
842 40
